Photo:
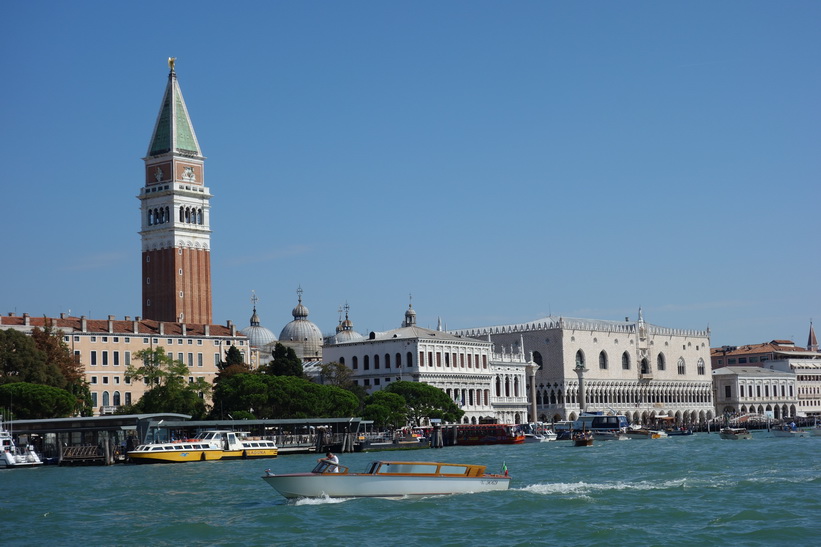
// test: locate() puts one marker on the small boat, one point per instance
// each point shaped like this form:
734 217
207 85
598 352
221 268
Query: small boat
644 433
13 456
735 433
387 479
612 435
678 432
537 433
582 438
788 431
816 430
209 445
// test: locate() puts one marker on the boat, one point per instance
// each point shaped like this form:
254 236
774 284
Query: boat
14 456
735 433
488 434
582 438
387 479
644 433
614 435
209 445
816 430
537 433
678 431
789 431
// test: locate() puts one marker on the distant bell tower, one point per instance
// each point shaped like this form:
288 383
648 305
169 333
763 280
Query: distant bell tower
175 211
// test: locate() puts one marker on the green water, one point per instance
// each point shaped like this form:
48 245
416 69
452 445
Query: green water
697 490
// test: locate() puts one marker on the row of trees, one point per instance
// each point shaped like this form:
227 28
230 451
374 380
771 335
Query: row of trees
40 377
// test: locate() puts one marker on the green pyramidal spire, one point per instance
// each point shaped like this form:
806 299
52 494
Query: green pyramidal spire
173 131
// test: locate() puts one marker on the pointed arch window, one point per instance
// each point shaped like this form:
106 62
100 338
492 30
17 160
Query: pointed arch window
625 361
603 360
660 364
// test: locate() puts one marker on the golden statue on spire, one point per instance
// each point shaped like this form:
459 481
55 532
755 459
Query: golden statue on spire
171 61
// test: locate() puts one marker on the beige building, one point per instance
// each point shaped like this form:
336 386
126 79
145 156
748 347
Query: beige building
755 390
106 347
634 368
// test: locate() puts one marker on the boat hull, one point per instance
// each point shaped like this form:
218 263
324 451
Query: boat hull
310 485
792 433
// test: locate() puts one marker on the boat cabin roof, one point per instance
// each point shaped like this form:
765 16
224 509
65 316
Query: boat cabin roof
392 468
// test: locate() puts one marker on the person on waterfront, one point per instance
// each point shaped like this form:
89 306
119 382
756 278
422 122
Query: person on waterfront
331 458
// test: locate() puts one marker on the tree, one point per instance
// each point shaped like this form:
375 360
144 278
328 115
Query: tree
386 409
22 361
285 362
267 396
169 391
36 401
426 401
233 364
50 342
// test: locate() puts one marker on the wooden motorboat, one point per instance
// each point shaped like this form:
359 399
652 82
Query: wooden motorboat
735 433
582 438
387 479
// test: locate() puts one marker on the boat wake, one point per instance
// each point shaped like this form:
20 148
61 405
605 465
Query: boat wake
324 500
587 488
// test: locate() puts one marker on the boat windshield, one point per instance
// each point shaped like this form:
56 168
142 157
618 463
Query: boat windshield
328 467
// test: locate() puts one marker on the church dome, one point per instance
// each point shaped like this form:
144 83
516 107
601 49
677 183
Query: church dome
345 332
302 332
258 336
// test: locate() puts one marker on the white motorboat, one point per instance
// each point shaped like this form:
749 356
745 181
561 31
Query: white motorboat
13 456
788 432
387 479
644 433
735 433
612 435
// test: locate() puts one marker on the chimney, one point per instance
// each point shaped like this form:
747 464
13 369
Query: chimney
62 315
137 325
128 318
184 329
26 319
162 328
110 323
83 324
207 330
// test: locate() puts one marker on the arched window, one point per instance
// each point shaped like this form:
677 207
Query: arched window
387 360
398 360
150 217
199 216
660 361
409 360
645 366
700 368
366 362
603 360
376 361
106 399
537 358
625 361
682 369
355 361
342 360
168 214
116 399
182 213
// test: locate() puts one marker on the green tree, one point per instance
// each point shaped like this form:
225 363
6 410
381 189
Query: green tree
386 409
22 361
169 391
267 396
50 342
233 364
285 362
426 401
36 401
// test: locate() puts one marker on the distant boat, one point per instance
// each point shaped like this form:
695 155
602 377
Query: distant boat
387 479
13 456
788 431
735 433
582 438
488 434
210 445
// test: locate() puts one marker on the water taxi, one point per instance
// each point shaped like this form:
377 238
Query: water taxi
788 431
582 438
209 445
387 479
735 433
644 433
16 456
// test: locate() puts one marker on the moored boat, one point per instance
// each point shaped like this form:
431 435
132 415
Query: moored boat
735 433
13 456
209 445
612 435
488 434
644 433
387 479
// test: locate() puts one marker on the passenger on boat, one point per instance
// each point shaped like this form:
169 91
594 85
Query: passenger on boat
331 459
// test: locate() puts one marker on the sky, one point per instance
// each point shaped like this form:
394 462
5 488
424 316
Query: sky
498 162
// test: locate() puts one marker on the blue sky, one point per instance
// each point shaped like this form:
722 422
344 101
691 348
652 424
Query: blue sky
500 161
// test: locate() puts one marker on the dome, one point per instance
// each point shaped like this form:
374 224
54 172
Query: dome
258 336
345 332
302 332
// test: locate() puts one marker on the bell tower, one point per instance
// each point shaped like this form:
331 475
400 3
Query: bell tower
175 211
